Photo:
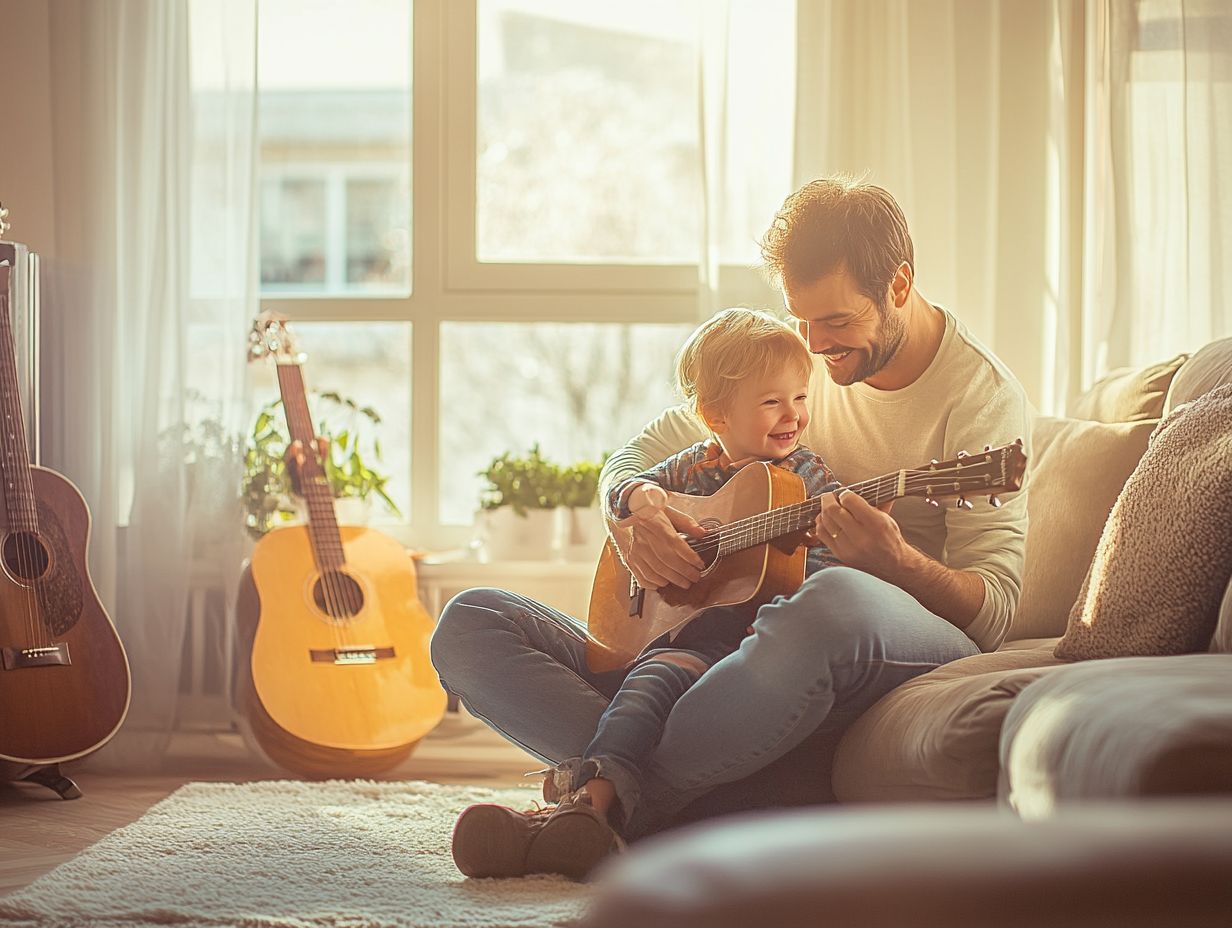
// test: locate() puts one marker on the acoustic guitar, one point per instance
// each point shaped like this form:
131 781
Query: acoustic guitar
64 676
753 547
337 681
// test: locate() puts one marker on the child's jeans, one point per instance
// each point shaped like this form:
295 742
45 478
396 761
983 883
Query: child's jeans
632 725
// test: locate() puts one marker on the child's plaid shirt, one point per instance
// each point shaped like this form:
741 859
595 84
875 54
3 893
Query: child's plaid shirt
701 469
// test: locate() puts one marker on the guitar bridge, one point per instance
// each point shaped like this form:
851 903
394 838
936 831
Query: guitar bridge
46 656
358 654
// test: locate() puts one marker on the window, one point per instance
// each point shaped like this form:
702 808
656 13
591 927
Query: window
587 144
576 389
335 126
369 364
537 285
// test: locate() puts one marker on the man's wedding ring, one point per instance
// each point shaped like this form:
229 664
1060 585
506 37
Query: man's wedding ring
834 535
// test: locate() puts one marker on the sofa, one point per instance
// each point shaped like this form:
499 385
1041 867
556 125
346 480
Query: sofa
1102 784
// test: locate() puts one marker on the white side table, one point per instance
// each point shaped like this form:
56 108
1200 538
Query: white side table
562 585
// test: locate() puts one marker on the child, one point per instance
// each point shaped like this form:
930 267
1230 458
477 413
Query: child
746 374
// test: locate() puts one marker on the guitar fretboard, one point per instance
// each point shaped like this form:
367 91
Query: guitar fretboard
314 486
797 517
19 500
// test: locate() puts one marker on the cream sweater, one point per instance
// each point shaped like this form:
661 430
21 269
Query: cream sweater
966 399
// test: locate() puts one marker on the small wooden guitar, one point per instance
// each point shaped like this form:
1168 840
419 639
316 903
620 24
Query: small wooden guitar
64 679
338 681
753 547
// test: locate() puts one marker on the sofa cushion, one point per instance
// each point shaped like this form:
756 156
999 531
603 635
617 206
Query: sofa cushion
1137 726
1129 866
1208 368
1165 555
1129 393
1078 469
935 737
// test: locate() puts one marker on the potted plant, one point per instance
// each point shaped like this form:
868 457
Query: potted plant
581 527
517 514
354 481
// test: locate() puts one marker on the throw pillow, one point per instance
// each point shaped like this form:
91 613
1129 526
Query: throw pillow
1129 393
1207 369
1078 468
1165 555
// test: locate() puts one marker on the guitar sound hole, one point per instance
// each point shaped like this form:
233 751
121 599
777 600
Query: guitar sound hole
337 595
25 556
708 551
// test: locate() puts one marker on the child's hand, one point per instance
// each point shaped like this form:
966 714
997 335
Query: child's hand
647 495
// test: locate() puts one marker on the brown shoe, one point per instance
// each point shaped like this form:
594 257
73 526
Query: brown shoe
492 840
573 839
495 841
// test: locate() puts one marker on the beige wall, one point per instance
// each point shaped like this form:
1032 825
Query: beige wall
26 151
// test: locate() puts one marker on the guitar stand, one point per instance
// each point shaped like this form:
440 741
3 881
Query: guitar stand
51 777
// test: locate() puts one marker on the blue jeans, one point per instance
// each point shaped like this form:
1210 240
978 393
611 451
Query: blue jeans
632 724
815 661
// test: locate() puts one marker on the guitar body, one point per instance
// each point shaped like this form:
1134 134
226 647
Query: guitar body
334 691
620 628
52 711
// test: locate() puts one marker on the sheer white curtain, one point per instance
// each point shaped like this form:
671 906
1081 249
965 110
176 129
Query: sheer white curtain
150 184
1059 165
1149 269
927 99
746 110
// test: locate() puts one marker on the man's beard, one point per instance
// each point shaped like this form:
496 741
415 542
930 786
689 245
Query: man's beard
891 333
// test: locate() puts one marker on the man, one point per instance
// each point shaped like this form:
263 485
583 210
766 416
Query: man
905 383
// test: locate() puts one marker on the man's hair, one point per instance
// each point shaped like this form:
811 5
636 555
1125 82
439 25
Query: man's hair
731 346
838 222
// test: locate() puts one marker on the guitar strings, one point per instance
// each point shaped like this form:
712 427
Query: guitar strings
313 492
762 527
748 529
346 595
36 631
295 421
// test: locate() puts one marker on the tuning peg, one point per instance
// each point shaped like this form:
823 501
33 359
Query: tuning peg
987 448
932 502
962 503
934 461
962 454
994 502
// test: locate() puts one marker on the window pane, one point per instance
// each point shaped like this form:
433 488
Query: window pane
292 231
369 363
587 131
335 117
577 389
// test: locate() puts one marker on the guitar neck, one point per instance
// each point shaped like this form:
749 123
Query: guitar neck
775 523
314 485
19 501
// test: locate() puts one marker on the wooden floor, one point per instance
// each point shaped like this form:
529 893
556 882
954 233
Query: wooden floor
39 831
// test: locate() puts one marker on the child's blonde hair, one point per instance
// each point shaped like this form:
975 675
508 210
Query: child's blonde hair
731 346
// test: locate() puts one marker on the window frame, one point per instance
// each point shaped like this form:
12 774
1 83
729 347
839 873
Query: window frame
449 284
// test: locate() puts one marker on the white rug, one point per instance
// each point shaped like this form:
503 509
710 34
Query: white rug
340 854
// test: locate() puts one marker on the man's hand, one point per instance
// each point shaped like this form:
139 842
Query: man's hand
651 544
860 535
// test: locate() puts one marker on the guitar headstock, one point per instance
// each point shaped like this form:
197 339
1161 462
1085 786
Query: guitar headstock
992 471
271 338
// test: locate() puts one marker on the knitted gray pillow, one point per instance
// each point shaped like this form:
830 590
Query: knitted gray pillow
1165 555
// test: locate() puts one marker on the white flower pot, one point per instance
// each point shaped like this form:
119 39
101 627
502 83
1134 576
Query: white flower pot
582 533
503 535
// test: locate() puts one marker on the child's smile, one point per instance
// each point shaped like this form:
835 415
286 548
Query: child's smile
765 417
